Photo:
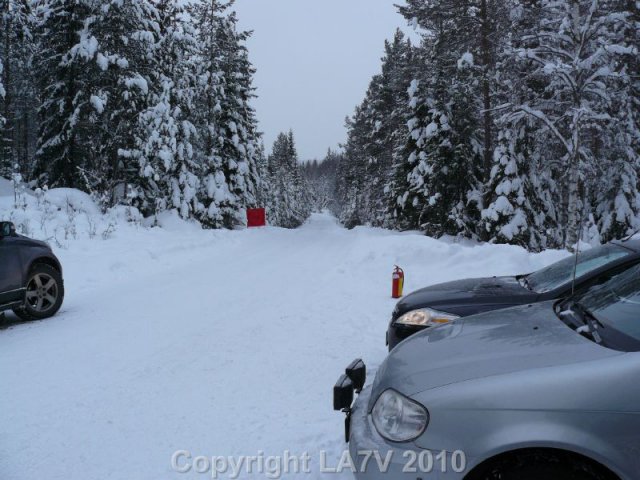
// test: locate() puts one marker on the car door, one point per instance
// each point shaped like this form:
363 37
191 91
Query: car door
11 288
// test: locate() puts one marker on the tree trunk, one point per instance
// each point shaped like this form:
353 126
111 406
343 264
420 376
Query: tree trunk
573 211
485 47
6 133
573 220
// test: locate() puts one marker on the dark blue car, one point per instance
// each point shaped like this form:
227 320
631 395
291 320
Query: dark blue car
443 303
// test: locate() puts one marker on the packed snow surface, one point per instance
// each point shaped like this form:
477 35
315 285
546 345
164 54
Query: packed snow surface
221 343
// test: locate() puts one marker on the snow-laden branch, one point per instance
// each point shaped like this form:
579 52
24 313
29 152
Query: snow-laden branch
538 114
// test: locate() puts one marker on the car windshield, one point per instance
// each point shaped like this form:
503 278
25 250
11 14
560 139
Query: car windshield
561 273
616 303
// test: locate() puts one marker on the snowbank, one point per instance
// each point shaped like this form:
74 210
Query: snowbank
61 215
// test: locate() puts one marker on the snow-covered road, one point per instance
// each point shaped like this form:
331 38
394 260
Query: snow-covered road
219 343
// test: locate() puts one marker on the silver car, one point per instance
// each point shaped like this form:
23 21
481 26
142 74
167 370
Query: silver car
548 391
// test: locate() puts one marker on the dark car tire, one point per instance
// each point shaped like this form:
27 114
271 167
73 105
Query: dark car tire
44 295
544 465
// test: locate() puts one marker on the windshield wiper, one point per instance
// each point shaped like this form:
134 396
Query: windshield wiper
588 314
591 323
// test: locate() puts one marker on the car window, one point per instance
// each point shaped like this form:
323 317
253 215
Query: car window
561 273
616 303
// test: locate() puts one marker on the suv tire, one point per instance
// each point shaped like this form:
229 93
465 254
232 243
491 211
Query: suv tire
44 295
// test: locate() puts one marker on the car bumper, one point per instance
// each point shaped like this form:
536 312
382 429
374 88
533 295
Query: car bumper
398 333
375 458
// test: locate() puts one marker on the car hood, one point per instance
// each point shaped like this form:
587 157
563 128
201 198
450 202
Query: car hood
489 344
465 297
30 242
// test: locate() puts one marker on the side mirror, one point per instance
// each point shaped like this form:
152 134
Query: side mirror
357 372
343 394
7 229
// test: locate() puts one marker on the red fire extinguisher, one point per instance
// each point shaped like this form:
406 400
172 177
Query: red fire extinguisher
398 282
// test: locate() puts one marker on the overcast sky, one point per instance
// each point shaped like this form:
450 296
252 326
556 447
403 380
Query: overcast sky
314 59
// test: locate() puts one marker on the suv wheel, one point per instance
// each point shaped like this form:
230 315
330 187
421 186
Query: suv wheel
45 292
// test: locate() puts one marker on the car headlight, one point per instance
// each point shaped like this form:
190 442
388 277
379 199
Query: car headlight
425 317
397 418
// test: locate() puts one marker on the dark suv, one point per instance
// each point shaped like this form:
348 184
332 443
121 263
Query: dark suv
30 276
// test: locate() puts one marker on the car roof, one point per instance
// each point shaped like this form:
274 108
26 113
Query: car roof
632 244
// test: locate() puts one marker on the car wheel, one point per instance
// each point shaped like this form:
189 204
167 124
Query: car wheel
543 465
44 295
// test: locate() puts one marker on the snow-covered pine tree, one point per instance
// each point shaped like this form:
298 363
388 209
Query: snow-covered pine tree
290 202
376 130
520 192
404 207
388 112
90 75
472 32
6 138
263 195
169 174
352 171
17 93
65 47
576 48
439 173
439 177
232 178
301 191
277 204
215 195
123 31
521 209
5 156
618 204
